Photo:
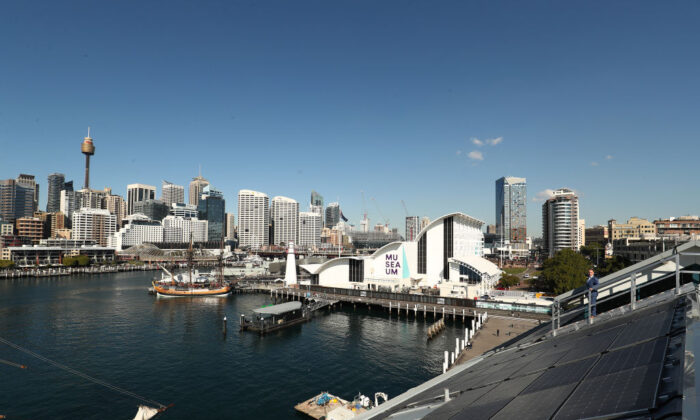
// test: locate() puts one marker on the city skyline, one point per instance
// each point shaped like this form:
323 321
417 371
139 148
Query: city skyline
431 109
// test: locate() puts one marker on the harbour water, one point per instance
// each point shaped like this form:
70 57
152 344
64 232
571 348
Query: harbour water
174 351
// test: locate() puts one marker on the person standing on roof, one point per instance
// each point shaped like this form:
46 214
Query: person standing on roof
592 284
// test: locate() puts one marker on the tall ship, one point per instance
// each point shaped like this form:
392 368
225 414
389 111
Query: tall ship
192 283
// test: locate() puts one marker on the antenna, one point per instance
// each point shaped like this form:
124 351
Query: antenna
88 131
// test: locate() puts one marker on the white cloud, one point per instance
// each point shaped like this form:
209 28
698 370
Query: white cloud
477 142
608 157
594 163
543 195
495 141
476 155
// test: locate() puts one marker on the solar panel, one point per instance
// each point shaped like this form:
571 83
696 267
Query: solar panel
496 399
631 357
621 392
456 405
644 329
595 344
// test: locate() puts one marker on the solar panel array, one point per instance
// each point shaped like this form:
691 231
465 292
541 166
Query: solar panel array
610 369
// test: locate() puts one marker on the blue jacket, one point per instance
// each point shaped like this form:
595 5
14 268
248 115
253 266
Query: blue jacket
592 283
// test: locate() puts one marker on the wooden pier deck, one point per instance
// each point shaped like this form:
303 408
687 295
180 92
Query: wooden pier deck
409 309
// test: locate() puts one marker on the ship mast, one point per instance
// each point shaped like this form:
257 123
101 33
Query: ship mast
190 253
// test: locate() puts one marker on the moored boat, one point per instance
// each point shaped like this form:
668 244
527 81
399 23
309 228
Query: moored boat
195 284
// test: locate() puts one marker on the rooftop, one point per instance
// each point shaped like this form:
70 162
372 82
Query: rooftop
279 309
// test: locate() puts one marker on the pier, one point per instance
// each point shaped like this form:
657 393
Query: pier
67 271
403 304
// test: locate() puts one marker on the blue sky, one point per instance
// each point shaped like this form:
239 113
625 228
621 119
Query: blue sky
348 96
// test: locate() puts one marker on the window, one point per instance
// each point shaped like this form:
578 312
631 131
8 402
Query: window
422 251
447 245
356 271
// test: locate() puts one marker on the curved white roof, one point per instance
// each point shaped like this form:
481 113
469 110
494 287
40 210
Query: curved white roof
482 265
478 223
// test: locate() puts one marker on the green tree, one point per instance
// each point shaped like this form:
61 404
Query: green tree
6 264
593 251
612 265
508 280
565 271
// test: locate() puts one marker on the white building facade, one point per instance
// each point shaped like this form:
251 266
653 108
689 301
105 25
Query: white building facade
94 224
180 229
310 227
424 263
253 219
140 229
284 214
560 220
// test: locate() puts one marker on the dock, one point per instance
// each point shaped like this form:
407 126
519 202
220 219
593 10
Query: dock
329 407
410 305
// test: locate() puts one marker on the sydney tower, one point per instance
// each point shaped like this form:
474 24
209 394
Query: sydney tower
88 150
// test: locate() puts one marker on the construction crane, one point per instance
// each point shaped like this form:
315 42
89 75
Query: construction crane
386 221
364 206
405 208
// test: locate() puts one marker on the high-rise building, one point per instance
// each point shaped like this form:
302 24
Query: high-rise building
212 208
253 219
92 199
138 192
284 215
581 233
560 216
16 200
491 229
412 227
316 204
56 184
511 209
332 215
310 226
424 222
188 211
196 188
29 181
178 229
153 209
68 202
172 193
230 226
94 224
57 222
116 205
31 228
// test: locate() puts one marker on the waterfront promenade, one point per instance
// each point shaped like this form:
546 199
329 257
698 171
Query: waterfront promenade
67 271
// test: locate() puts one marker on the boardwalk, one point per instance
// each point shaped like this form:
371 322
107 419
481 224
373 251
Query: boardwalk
409 309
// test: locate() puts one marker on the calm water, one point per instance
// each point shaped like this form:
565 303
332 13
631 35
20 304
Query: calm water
174 351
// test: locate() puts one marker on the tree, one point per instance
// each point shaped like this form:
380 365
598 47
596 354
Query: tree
6 264
594 252
612 265
508 280
565 271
